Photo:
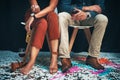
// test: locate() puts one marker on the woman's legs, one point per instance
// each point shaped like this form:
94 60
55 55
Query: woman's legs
28 67
53 35
53 63
37 42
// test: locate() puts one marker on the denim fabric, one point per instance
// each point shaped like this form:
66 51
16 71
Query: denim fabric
69 5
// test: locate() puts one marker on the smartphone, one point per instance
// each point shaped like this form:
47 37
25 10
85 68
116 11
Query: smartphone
74 12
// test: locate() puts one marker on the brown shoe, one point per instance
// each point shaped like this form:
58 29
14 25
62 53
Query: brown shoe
17 65
66 64
93 62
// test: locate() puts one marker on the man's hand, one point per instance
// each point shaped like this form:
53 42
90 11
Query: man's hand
95 8
28 24
80 15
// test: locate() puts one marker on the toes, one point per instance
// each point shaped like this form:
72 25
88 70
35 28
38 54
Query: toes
53 70
23 71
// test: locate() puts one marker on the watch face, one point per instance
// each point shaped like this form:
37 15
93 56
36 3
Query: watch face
88 16
74 12
32 14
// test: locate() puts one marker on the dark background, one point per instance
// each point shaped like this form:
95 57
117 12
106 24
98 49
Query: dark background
12 33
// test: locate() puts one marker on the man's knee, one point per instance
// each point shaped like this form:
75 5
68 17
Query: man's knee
64 17
101 18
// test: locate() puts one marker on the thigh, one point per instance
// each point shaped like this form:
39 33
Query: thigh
53 25
65 18
87 22
52 19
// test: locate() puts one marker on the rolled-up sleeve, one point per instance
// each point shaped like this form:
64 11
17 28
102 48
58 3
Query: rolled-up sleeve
101 4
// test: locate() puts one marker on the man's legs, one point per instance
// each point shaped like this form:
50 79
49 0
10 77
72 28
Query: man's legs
99 23
64 54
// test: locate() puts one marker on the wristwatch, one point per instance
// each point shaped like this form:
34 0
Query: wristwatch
88 15
33 15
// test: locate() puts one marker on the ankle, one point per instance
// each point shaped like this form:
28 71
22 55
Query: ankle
54 54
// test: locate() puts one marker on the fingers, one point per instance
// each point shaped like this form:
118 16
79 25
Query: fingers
27 28
77 16
28 24
77 9
35 8
86 8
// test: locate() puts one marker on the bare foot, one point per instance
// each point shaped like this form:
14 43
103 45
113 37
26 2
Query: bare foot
53 65
26 69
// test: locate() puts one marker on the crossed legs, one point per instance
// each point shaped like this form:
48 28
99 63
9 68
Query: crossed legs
41 26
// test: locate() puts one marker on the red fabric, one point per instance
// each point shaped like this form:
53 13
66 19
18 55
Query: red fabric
53 26
41 25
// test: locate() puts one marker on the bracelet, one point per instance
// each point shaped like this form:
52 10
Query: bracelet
33 15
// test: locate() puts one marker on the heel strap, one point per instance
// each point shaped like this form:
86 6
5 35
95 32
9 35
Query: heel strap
56 53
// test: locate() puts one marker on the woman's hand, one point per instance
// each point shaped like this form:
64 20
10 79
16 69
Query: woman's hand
35 8
28 23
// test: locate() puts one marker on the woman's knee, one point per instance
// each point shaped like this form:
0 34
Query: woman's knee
41 24
52 17
53 26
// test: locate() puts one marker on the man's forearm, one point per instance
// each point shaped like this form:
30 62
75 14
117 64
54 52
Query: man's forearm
95 8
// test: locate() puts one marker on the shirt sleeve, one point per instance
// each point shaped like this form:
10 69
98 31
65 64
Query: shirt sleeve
101 4
65 6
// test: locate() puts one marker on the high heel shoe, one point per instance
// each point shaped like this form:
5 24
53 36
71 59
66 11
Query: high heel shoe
53 64
17 65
